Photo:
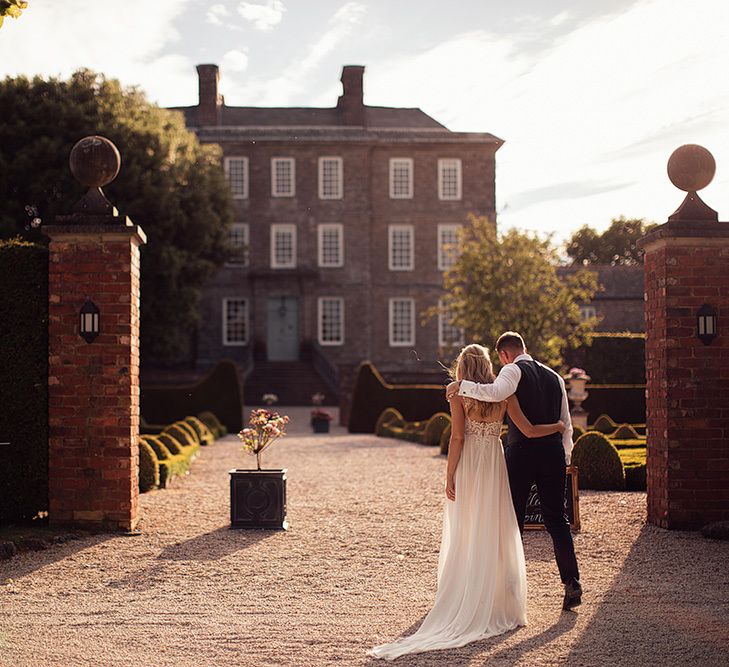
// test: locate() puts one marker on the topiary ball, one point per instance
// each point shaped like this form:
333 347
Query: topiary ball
434 428
445 439
603 424
598 463
148 468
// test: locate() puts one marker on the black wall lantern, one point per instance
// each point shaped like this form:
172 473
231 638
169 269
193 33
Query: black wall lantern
88 326
706 324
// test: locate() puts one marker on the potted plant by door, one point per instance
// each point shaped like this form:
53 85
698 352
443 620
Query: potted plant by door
320 420
258 497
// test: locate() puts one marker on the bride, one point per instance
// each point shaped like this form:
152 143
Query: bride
481 567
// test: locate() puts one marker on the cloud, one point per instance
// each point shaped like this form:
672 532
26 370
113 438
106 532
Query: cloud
281 90
108 37
607 103
263 16
216 14
234 61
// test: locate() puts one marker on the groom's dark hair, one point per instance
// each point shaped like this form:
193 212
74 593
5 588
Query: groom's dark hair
510 340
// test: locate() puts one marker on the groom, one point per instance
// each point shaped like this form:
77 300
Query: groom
543 399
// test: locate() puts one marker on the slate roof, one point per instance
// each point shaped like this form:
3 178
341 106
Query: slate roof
376 117
619 282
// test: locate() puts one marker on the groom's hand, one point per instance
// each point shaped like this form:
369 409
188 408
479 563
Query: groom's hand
452 390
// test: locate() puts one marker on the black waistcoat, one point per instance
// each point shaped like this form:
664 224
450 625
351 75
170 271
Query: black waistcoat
540 397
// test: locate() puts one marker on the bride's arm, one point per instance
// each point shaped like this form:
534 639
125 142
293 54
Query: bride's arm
525 426
455 444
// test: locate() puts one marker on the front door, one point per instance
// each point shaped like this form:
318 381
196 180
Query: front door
283 329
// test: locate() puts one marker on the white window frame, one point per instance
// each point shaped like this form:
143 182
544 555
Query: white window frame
391 322
275 229
321 230
391 230
226 167
587 312
442 342
275 191
244 257
409 162
340 177
320 320
236 343
442 254
444 163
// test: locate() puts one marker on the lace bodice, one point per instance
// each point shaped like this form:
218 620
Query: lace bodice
483 428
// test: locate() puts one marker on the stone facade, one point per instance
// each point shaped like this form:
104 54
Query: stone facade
94 387
686 266
365 139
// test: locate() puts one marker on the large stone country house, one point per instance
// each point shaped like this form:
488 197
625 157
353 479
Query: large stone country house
346 218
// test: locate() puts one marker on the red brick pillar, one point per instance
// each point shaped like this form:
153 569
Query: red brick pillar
94 387
687 266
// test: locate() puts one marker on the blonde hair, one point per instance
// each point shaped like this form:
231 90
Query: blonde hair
474 363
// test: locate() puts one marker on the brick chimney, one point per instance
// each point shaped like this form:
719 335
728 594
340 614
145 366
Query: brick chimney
210 100
350 104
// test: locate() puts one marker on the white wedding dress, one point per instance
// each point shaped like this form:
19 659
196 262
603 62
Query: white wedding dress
481 567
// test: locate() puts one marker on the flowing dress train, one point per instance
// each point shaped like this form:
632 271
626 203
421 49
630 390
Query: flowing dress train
481 566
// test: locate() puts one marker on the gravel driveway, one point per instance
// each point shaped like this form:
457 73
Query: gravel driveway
357 568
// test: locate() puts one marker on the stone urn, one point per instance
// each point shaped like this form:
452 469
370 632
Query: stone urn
577 381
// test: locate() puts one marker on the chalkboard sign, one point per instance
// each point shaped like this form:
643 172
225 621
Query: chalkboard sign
533 517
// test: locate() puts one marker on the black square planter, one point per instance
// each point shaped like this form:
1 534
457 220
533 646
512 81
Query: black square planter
258 499
320 425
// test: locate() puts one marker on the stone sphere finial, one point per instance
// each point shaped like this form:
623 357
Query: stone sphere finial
691 167
94 161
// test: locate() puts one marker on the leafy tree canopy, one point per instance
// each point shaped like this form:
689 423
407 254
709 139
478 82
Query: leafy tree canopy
169 184
509 281
11 8
617 245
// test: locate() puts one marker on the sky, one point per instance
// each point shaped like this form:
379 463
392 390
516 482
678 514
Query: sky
591 97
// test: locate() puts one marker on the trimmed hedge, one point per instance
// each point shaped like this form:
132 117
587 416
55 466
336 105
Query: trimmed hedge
389 416
170 465
181 434
445 439
624 432
24 364
577 431
626 403
598 463
372 395
213 423
148 468
612 358
434 428
635 477
204 434
219 391
604 424
628 444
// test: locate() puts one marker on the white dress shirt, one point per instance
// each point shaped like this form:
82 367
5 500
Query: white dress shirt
505 385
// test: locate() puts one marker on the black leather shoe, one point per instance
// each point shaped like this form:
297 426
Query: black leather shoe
572 595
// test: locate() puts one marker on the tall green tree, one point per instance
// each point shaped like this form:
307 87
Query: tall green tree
169 184
509 281
617 245
11 8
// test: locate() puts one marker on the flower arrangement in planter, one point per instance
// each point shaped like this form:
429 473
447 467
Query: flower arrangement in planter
320 420
576 374
258 497
269 399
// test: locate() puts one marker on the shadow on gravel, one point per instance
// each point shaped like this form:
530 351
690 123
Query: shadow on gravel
467 655
668 605
214 545
31 559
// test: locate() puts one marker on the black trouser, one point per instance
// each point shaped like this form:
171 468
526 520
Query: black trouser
543 464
